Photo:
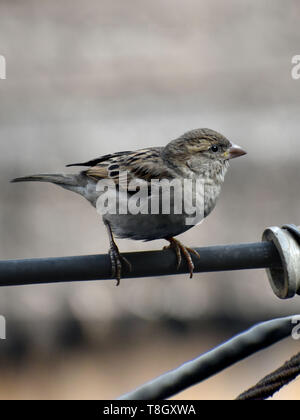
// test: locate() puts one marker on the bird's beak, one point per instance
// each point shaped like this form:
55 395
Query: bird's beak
235 151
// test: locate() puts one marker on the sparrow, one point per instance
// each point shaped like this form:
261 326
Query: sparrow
200 155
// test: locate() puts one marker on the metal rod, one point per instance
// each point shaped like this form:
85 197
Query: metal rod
145 264
238 348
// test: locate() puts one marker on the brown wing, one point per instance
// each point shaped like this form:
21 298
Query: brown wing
104 158
143 164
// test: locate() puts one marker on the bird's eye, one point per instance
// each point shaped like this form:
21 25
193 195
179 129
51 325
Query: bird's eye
214 148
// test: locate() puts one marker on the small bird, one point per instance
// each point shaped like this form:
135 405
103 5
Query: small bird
198 155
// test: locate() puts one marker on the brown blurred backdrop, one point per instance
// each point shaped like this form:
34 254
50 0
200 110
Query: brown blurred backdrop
85 78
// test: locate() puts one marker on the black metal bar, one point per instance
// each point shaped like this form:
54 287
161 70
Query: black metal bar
145 264
191 373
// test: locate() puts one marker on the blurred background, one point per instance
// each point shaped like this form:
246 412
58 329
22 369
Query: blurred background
86 78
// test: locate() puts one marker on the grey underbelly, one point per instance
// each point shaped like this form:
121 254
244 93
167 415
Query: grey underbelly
153 226
147 227
169 219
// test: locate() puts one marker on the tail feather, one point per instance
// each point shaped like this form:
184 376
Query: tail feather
70 180
77 183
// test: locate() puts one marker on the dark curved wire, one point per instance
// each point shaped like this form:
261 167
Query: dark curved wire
191 373
294 230
274 381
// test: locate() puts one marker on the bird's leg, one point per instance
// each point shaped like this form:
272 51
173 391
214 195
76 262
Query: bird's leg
184 251
115 257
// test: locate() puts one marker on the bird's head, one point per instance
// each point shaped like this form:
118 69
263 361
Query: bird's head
202 149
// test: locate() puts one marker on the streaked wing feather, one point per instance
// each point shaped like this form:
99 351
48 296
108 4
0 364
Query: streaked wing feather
145 164
100 159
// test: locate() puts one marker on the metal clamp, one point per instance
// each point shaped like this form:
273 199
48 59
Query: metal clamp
285 281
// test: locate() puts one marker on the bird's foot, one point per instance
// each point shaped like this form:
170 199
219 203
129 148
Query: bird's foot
116 262
182 250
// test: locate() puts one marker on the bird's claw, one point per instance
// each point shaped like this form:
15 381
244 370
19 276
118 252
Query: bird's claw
182 250
116 263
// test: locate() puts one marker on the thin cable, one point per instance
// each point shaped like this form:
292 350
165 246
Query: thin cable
191 373
274 382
